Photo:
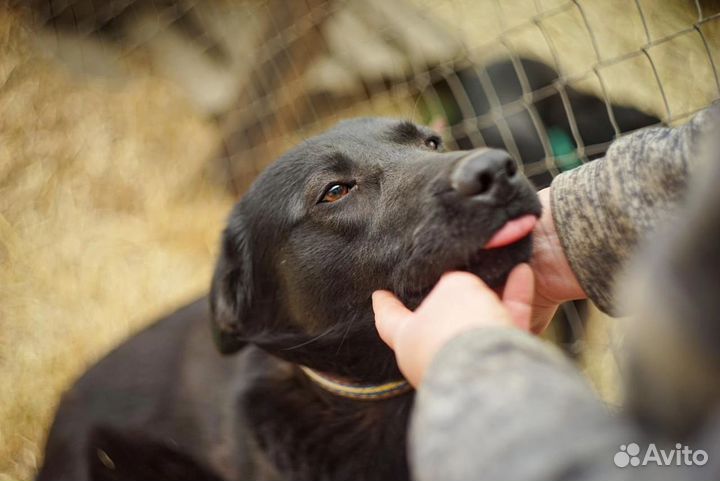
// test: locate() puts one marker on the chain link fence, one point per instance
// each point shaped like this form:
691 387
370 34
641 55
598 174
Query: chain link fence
551 81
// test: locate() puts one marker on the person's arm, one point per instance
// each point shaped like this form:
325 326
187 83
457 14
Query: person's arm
499 404
604 208
495 403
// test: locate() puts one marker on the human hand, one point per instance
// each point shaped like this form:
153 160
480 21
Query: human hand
555 282
459 302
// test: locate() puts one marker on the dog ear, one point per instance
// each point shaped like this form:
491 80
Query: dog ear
231 290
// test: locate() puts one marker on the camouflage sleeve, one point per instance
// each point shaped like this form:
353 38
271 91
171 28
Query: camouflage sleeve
603 209
501 404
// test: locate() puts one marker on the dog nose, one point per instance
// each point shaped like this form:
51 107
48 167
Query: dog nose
487 174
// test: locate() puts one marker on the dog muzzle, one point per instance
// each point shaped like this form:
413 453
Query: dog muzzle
371 392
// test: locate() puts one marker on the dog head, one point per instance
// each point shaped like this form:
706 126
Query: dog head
370 204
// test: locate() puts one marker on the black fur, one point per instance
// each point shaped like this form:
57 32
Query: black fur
135 455
591 116
292 286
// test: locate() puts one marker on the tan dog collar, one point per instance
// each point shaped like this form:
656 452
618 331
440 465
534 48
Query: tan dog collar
372 392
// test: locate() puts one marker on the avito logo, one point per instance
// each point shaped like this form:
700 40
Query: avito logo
629 455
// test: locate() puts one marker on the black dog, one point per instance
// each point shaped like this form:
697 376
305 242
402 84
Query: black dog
581 118
313 392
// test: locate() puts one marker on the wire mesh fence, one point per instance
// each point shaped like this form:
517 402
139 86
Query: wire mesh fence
553 82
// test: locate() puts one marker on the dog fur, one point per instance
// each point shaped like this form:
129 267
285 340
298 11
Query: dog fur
292 287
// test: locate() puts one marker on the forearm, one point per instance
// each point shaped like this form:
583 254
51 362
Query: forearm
603 209
500 404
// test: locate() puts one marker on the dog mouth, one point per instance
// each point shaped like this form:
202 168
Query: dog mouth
512 231
508 246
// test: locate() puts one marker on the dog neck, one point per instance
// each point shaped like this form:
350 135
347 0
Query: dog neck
307 431
364 392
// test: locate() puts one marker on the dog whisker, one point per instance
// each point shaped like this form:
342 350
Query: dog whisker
305 343
347 331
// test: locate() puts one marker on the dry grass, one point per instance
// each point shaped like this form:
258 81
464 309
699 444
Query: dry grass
104 224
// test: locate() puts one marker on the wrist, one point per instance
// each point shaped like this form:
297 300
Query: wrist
556 281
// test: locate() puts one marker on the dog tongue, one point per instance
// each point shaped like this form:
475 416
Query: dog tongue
512 232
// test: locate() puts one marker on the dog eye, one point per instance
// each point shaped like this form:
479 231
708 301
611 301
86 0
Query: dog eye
335 192
433 142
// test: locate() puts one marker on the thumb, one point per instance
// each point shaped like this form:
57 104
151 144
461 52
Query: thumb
390 314
518 295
